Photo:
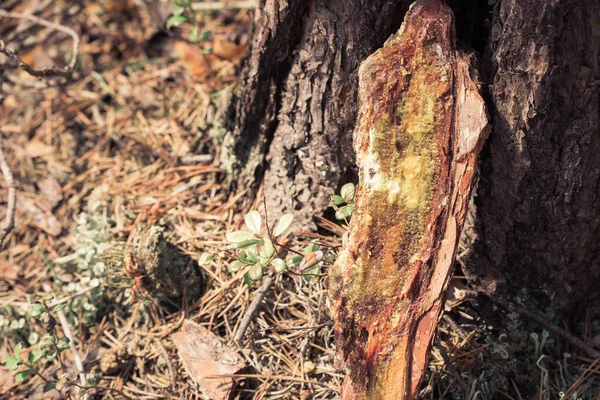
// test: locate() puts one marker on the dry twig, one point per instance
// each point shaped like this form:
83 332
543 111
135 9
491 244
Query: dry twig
219 5
67 331
45 73
251 311
9 221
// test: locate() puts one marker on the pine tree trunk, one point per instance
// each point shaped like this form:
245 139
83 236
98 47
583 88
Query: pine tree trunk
291 119
536 216
538 203
537 226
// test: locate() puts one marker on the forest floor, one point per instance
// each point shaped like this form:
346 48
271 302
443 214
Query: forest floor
125 147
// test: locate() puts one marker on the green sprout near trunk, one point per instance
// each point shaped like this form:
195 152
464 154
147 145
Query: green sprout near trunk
256 252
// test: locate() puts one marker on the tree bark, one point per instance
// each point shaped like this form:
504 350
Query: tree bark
421 125
291 119
538 204
536 218
536 224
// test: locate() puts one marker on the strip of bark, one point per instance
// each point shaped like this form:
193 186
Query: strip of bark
420 128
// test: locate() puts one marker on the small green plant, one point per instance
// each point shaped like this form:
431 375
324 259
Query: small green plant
89 263
343 204
49 349
539 345
183 13
256 252
260 253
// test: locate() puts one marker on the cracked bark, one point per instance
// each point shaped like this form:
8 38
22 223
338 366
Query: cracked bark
292 116
538 204
536 224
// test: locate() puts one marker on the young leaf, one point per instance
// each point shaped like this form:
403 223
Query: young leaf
175 20
35 355
51 355
311 248
296 260
283 224
204 36
59 307
242 254
311 272
63 343
18 349
255 272
267 250
194 34
37 309
178 10
48 343
338 200
235 266
248 243
253 221
239 236
344 212
279 265
205 258
348 191
20 377
252 254
348 210
49 386
47 297
12 362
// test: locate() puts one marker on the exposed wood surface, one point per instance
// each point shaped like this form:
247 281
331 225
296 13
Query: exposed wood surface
420 127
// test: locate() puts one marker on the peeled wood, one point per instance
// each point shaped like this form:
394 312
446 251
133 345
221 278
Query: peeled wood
420 127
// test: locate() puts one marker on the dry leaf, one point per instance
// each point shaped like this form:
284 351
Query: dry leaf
196 62
8 271
43 219
39 59
204 355
51 191
229 51
35 148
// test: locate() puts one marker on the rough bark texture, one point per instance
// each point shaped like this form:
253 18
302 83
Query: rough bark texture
539 198
421 125
292 116
536 223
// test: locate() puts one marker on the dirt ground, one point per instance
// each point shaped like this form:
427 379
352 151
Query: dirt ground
123 151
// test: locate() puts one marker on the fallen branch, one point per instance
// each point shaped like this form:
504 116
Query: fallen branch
45 73
9 220
259 295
